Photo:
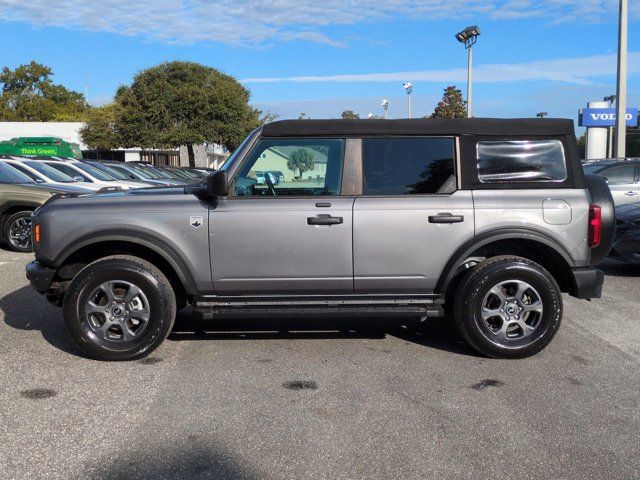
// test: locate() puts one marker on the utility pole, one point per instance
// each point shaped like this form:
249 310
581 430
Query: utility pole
610 99
621 93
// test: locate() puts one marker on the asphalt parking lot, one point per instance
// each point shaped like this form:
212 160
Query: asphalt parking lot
339 400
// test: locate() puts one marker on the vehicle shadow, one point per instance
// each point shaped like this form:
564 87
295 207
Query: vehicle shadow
617 268
25 309
438 333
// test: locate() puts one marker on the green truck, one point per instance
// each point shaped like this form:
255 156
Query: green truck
40 147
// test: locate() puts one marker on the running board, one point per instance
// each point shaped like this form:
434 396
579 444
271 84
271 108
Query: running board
209 307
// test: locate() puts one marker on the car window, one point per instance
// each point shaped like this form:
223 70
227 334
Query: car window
293 167
70 171
408 166
27 172
9 174
117 174
619 174
506 161
49 172
94 172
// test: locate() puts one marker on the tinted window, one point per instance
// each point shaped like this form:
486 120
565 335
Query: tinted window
507 161
94 172
406 166
619 174
114 173
49 172
70 171
28 173
9 174
292 167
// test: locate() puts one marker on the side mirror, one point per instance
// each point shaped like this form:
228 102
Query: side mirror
217 184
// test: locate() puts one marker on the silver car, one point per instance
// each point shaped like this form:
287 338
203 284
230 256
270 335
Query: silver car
622 176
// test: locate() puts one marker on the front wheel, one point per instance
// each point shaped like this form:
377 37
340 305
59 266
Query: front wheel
17 231
508 307
119 308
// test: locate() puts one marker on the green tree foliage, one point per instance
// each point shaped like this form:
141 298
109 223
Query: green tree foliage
29 95
101 129
350 115
174 104
267 117
301 160
452 104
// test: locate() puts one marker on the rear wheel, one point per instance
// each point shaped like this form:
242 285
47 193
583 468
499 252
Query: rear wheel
17 231
119 308
508 307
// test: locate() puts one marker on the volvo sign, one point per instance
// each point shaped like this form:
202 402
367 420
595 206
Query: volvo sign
606 117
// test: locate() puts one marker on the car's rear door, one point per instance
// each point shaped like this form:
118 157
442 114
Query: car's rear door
623 183
411 216
285 237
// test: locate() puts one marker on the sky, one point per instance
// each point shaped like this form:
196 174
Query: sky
323 57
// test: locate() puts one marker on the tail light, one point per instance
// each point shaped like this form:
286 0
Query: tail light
595 225
36 233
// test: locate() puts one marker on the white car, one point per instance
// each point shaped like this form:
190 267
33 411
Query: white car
42 173
84 172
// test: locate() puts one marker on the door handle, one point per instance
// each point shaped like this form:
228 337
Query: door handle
324 219
631 194
445 218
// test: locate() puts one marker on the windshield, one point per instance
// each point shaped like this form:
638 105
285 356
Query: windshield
145 172
117 174
94 172
9 174
49 172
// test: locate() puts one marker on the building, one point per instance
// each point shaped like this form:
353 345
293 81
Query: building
206 156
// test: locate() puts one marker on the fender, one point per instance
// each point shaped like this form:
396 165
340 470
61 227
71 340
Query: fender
490 237
145 240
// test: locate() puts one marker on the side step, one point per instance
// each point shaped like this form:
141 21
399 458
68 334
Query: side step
209 307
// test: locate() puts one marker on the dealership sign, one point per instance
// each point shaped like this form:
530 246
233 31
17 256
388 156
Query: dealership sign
606 117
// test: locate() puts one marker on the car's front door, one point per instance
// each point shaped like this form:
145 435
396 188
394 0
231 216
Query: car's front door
411 218
623 183
285 228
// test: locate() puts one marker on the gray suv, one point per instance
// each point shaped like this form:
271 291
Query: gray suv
484 219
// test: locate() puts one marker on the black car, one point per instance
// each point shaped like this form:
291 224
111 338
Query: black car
626 246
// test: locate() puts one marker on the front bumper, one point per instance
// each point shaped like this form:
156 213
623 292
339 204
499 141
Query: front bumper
587 283
40 277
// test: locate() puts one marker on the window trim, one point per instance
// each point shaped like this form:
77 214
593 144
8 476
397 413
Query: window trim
510 182
456 163
254 145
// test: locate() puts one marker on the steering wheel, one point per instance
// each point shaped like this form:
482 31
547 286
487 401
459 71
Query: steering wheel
269 182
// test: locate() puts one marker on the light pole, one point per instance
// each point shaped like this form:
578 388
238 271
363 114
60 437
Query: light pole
621 93
385 106
409 88
469 36
542 114
610 99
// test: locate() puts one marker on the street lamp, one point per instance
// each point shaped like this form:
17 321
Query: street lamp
385 106
409 88
610 99
469 36
542 114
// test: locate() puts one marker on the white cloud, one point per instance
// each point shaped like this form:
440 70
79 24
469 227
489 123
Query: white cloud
254 22
579 70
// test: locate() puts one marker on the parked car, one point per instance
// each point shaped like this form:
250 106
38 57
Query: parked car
261 178
489 219
190 174
19 197
626 246
40 172
134 173
160 174
622 176
89 174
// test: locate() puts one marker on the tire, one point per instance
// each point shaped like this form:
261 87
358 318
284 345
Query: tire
17 231
141 308
508 307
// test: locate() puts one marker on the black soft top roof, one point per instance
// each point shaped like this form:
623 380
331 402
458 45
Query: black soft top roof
421 126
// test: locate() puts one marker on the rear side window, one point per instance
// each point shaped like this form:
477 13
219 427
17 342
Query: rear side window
620 174
408 166
506 161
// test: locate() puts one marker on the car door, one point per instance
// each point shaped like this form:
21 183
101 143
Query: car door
291 236
411 217
623 183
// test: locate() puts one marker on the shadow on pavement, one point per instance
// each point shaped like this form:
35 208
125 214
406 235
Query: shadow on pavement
191 459
438 333
619 269
25 309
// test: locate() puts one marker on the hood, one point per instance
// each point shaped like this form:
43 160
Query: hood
628 212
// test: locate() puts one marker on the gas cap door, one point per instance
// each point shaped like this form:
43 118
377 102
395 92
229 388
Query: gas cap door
556 212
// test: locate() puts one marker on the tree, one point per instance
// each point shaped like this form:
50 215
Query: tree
350 115
452 104
29 95
101 129
267 117
179 103
300 160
